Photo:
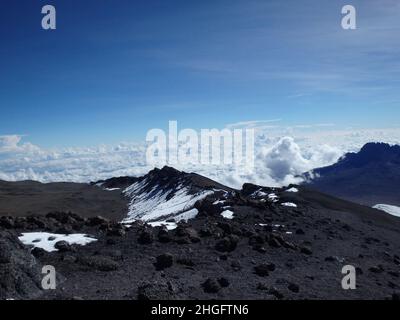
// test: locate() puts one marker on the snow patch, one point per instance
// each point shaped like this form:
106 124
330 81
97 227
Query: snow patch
273 197
186 215
168 225
393 210
292 190
46 241
219 202
258 193
227 214
289 204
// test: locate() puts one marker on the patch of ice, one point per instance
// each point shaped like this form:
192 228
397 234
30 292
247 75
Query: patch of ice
273 197
227 214
112 189
258 193
218 202
168 225
392 210
292 190
186 215
289 204
42 239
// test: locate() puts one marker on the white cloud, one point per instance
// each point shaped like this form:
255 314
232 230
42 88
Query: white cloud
254 124
11 143
280 156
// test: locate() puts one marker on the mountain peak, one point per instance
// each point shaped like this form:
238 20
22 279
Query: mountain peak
373 152
379 147
369 176
166 171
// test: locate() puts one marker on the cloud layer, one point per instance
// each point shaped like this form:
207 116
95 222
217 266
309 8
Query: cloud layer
280 156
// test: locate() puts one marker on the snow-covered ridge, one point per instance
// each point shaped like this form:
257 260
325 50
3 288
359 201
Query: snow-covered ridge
393 210
154 203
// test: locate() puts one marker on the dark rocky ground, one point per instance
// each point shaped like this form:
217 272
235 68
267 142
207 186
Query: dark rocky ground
214 258
34 198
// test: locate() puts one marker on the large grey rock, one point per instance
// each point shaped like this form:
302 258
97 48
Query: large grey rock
20 274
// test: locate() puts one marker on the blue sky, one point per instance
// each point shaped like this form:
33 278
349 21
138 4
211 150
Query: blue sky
114 69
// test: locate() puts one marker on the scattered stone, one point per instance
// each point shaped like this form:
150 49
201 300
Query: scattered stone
163 235
274 243
260 249
187 233
146 236
263 270
185 261
227 244
111 241
63 246
275 292
256 240
262 286
164 261
211 286
6 222
226 227
331 259
38 252
206 231
70 259
99 263
396 296
96 221
156 290
223 282
395 274
236 266
294 287
306 250
116 232
376 269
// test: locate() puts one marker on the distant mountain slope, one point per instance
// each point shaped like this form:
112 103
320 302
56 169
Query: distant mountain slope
159 195
369 177
25 198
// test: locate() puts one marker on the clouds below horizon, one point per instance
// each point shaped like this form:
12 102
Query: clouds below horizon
280 157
